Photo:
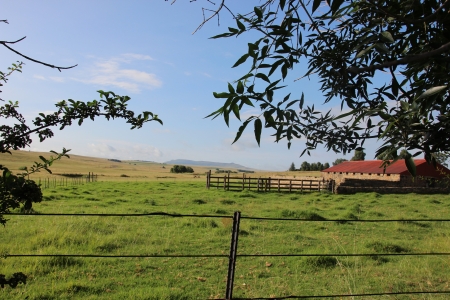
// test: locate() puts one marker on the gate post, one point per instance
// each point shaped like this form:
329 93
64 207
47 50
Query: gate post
233 254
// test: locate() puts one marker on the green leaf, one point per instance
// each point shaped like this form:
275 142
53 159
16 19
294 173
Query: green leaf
241 60
258 129
43 159
263 77
381 47
221 95
240 25
409 161
231 88
364 52
226 34
235 108
241 129
335 5
316 5
240 87
258 12
386 37
432 91
284 70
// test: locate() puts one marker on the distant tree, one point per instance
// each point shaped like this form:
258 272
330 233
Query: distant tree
359 155
292 167
326 166
338 161
305 166
319 166
181 169
389 156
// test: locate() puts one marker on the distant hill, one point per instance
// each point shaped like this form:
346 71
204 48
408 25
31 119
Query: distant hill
205 164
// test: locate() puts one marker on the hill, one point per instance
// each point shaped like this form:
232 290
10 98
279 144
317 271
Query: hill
205 164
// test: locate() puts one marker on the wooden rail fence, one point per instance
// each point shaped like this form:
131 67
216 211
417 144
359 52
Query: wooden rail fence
268 184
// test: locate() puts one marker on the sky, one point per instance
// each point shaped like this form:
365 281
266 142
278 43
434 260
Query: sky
146 50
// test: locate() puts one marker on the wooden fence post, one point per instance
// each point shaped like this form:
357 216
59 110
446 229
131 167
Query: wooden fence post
208 179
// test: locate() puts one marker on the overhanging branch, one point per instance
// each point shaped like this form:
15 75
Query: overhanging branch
4 43
403 61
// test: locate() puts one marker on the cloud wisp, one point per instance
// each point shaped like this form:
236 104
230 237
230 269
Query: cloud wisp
111 73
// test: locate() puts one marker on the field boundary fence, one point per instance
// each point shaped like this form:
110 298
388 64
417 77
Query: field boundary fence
67 180
265 184
233 254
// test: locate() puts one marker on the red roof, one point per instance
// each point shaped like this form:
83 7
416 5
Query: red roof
398 167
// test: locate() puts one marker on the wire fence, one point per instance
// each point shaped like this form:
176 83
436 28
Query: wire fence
67 180
233 255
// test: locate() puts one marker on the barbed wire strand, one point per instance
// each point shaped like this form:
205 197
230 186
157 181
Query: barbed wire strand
339 295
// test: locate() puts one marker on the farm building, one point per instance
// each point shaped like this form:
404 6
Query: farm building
369 176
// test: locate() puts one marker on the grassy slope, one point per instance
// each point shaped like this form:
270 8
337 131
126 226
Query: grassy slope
109 170
201 278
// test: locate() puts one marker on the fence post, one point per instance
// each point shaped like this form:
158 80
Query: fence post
208 178
233 254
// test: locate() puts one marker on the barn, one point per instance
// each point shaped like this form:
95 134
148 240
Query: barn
369 176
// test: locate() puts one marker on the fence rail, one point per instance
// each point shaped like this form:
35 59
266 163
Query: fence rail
234 252
268 184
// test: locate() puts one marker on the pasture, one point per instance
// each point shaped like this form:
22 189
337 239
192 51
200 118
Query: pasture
205 277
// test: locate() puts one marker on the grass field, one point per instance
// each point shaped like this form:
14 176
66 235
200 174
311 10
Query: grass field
203 278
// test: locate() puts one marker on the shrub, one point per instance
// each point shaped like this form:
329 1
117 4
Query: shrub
181 169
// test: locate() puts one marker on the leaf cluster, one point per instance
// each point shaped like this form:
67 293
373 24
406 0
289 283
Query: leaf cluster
111 106
386 62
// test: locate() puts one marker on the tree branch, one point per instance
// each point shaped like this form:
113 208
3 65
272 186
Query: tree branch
403 61
34 60
410 21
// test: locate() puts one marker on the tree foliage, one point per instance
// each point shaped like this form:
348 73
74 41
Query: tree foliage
386 62
292 167
338 161
359 155
181 169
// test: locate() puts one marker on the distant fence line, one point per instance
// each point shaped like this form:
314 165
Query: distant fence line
67 180
268 184
233 254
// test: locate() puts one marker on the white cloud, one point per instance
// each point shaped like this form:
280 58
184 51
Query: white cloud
134 56
245 142
39 77
122 150
110 73
57 79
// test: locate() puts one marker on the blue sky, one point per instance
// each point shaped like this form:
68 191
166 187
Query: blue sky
146 50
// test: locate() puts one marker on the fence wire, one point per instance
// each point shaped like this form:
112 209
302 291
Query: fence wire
176 215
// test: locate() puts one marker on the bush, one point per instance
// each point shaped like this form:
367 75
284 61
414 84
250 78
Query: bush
181 169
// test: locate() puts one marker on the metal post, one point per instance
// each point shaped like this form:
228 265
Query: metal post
233 254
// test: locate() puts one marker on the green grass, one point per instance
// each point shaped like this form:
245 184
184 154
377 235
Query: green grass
202 278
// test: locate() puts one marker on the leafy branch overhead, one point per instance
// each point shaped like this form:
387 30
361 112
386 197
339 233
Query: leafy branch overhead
111 106
386 63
